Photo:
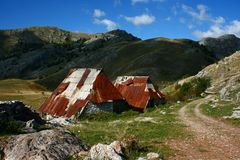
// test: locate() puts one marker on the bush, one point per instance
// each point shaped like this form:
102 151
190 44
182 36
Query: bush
10 127
194 88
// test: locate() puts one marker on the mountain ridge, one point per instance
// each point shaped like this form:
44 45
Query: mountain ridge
117 52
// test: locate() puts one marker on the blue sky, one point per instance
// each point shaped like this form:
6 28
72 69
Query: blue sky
146 19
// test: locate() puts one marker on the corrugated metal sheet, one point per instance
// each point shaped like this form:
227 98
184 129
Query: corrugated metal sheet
137 90
77 89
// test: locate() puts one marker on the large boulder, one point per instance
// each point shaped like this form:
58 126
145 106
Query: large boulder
16 110
56 144
16 117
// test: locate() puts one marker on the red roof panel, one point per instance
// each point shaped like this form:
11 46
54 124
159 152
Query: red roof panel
137 90
77 89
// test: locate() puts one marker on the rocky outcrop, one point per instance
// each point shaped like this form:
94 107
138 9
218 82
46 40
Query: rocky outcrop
44 145
121 35
222 46
225 77
17 111
17 117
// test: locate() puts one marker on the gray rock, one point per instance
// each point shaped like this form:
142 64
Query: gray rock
236 113
238 96
223 93
32 124
44 145
19 113
60 121
16 110
153 156
114 151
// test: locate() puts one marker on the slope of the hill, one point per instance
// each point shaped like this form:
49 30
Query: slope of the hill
225 77
222 46
24 90
47 54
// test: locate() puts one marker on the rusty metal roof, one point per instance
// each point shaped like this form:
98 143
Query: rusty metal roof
137 90
77 89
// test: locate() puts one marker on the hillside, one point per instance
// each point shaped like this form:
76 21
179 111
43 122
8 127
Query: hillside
225 77
34 37
222 46
46 54
24 90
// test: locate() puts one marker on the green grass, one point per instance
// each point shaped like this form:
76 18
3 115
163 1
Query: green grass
150 135
220 111
24 90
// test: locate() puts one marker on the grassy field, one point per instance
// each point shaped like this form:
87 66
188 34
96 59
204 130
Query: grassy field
224 109
150 129
24 90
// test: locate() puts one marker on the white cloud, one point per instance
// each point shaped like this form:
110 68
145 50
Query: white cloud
98 13
217 30
108 23
201 13
182 20
174 10
168 18
219 20
158 0
190 26
145 1
139 1
143 19
117 3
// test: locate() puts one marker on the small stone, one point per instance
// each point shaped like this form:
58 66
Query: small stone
32 124
153 156
114 151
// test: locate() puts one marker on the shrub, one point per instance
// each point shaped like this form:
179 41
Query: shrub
194 88
10 127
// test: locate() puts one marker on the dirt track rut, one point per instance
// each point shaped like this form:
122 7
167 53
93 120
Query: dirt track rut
212 139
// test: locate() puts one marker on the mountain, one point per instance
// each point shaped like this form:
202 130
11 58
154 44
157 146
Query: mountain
225 76
47 53
222 46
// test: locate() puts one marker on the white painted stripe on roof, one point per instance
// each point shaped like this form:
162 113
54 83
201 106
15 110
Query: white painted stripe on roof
73 93
122 79
73 80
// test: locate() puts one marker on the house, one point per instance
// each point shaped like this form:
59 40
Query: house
139 92
85 90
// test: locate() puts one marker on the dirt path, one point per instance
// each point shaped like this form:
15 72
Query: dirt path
211 139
